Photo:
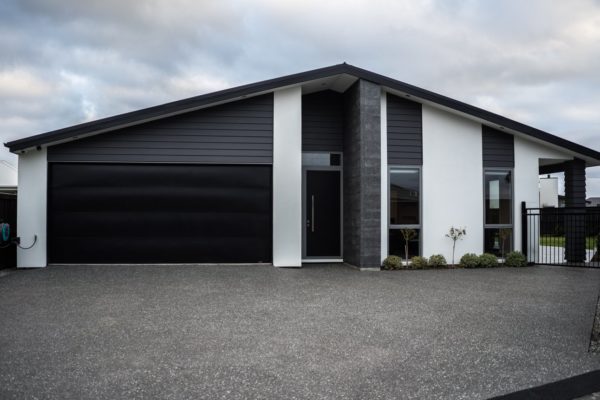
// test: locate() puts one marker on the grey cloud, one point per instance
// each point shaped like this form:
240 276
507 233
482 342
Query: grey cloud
536 62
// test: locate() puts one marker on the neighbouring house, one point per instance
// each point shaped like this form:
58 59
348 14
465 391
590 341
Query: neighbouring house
593 202
549 196
326 165
8 178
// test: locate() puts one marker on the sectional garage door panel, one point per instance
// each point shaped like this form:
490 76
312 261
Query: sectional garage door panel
145 213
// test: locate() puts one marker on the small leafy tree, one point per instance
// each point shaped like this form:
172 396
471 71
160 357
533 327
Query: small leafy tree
407 234
455 234
504 234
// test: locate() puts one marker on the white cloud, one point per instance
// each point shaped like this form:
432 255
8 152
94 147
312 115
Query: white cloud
20 83
195 82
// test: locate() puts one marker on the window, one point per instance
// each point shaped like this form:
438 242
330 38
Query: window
404 211
498 227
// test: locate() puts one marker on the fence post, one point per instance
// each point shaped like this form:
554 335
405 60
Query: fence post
524 248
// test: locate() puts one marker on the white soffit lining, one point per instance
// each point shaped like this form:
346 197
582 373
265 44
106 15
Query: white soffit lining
338 83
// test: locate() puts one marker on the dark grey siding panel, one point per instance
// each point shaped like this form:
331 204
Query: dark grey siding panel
575 197
575 183
322 121
404 131
240 132
498 148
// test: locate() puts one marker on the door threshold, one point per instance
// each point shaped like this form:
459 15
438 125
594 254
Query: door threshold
322 260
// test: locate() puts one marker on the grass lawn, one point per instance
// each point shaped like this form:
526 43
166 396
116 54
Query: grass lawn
559 241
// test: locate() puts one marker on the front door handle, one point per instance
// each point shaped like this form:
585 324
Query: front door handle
312 212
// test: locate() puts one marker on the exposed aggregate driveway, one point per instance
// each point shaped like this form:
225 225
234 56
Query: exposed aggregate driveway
232 332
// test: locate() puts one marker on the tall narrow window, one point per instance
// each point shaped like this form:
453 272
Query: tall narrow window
405 211
498 228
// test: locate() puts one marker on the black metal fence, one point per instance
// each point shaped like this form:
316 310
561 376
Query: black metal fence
8 214
567 236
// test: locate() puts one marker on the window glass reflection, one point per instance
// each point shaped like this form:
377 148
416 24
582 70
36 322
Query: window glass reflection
404 197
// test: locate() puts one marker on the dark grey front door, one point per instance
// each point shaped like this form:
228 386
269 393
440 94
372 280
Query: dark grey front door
322 211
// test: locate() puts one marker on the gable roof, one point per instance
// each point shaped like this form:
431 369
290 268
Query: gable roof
197 102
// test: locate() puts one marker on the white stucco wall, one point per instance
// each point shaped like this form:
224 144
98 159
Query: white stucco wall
526 179
452 183
31 208
287 178
384 178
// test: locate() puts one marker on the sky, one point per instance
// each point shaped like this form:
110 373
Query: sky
63 62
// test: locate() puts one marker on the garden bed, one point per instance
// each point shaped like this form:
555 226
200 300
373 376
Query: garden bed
469 260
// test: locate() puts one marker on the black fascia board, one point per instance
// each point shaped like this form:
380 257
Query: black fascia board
191 103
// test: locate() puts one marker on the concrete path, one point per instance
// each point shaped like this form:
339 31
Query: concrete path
317 332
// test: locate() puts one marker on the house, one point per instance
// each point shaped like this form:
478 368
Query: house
549 196
324 165
593 202
8 178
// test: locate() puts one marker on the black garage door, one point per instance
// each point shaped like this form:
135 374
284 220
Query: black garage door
147 213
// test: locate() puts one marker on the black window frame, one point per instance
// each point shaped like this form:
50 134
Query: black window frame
511 225
418 227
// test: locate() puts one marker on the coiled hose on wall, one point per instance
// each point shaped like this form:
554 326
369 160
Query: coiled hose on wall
6 241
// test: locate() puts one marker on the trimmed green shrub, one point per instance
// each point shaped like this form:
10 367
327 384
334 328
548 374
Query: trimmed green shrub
487 260
392 262
515 259
437 261
418 262
469 260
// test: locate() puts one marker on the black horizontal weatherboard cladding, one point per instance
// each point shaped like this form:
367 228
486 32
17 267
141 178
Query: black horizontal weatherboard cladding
159 213
498 148
404 131
232 133
323 121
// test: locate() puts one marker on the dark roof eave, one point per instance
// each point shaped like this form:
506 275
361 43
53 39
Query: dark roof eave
171 108
268 85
